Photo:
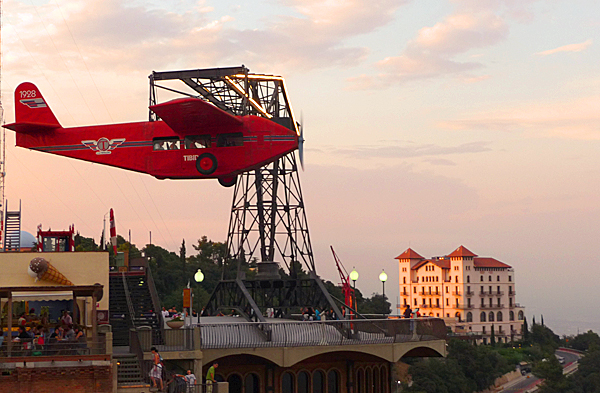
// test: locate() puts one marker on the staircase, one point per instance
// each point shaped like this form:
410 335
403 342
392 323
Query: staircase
142 311
12 230
128 371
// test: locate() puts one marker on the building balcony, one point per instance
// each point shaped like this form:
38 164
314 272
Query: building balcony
427 293
497 293
492 306
457 293
464 306
405 294
470 293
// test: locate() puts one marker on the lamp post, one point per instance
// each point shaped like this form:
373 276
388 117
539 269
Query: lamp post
199 277
383 278
354 277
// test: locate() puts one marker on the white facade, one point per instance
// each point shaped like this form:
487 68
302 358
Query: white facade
471 293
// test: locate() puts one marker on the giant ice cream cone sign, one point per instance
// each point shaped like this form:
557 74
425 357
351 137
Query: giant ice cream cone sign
41 269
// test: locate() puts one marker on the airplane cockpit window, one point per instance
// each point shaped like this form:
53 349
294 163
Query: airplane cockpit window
233 139
166 144
197 141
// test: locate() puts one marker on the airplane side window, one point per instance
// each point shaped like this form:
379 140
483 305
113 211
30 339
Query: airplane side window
166 144
233 139
197 141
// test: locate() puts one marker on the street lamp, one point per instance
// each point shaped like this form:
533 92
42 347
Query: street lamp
383 278
354 277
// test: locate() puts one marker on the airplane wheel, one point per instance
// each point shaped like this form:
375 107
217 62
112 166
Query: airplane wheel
228 181
206 163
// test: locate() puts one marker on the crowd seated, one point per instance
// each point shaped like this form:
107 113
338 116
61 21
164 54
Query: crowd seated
37 341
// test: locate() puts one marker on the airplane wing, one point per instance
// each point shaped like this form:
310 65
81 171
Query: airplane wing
189 116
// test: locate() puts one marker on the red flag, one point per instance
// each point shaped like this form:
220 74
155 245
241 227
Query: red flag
113 231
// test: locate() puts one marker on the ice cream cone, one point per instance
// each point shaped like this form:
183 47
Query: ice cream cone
43 270
52 274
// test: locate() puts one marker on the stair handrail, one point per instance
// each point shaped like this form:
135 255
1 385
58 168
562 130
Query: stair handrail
155 300
128 298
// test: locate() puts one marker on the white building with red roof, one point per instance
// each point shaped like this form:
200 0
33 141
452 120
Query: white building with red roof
473 294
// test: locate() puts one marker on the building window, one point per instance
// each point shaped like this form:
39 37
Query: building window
498 287
414 289
405 301
510 289
482 302
499 305
499 317
469 317
481 279
457 315
360 377
510 302
491 316
403 280
287 383
482 317
490 278
490 289
236 385
376 384
384 379
252 383
468 279
456 279
497 278
437 303
456 303
318 382
509 278
333 381
446 289
415 302
447 302
447 315
511 317
491 302
368 381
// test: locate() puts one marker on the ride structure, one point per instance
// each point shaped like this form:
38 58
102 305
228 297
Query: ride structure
268 221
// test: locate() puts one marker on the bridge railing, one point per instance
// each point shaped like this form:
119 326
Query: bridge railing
320 333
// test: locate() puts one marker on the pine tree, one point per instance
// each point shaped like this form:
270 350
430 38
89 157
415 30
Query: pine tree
525 329
542 319
533 321
493 337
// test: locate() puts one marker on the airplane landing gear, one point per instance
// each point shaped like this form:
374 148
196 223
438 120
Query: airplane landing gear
228 181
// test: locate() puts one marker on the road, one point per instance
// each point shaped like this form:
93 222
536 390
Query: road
530 381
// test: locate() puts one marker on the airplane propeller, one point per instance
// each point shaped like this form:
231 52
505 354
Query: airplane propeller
301 141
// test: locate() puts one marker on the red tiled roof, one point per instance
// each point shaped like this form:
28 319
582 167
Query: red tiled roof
488 262
409 254
462 252
442 263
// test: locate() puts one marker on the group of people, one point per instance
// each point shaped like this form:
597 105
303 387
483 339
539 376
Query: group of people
185 382
313 314
408 313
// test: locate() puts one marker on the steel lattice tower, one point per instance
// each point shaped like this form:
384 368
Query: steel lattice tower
268 223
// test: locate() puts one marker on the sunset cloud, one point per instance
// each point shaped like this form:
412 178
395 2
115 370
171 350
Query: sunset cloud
432 53
567 48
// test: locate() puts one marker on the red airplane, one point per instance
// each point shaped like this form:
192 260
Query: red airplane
194 140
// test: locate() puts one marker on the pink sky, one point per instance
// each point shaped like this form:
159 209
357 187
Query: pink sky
429 125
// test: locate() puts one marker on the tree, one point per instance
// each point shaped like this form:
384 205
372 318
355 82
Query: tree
525 330
182 256
493 337
85 243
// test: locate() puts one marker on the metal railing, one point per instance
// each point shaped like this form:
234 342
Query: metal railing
32 347
321 333
172 339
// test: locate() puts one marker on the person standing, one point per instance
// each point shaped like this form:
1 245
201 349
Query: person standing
210 377
190 380
156 371
407 312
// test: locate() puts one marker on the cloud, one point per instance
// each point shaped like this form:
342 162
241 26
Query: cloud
432 52
567 48
574 119
411 150
123 35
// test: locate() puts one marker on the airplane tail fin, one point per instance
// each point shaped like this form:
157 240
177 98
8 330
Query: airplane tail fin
32 113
